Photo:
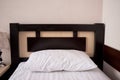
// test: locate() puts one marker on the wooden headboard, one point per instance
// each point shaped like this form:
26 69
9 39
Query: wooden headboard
97 28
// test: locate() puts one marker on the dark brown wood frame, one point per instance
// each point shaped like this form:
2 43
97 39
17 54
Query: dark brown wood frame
40 43
112 57
98 29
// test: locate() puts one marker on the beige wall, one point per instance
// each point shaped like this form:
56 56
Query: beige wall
49 11
111 17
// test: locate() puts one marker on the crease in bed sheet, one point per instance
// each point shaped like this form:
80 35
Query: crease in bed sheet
23 74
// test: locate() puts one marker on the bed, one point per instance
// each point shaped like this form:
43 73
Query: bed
57 56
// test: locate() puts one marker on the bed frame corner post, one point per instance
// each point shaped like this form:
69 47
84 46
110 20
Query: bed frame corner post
14 41
100 32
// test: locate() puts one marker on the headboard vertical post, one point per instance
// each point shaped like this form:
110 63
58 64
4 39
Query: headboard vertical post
99 43
75 33
14 42
37 33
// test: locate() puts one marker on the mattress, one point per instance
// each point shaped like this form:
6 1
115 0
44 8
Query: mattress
23 74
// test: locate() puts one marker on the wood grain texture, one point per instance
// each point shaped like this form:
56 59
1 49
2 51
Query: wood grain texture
112 57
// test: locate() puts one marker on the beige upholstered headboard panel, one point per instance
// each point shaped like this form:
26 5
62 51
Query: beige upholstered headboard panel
56 34
23 40
89 42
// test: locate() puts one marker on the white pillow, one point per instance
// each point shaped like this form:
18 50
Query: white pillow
57 60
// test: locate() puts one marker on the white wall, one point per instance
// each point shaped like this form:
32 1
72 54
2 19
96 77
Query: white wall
49 11
111 18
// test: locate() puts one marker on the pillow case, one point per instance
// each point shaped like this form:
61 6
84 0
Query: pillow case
58 60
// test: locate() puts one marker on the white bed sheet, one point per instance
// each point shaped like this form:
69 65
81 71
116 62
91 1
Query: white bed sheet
23 74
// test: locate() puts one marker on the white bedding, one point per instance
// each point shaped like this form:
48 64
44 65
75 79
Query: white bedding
58 60
23 74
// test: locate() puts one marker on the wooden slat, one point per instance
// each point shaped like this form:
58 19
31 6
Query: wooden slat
36 44
112 57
